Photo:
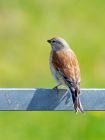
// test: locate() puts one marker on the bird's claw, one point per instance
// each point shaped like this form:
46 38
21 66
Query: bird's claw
56 89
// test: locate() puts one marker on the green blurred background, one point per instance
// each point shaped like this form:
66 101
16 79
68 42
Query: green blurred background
25 25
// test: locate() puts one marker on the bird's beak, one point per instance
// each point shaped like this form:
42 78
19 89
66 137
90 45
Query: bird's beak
49 41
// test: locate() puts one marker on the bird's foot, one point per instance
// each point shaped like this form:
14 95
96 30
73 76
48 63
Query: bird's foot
56 89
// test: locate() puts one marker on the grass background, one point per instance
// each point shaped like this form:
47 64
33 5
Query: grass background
25 25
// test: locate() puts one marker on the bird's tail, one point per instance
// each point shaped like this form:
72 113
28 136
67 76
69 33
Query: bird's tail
76 100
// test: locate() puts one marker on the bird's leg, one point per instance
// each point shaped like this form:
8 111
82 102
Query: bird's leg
56 87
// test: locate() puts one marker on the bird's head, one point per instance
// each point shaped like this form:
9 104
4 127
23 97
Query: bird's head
58 44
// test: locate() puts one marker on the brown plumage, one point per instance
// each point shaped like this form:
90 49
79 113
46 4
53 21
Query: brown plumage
67 63
65 69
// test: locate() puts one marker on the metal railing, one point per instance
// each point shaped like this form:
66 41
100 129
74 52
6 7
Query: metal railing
49 99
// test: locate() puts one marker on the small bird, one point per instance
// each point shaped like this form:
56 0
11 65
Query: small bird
65 69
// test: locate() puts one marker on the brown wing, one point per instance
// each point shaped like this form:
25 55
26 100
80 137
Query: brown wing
67 63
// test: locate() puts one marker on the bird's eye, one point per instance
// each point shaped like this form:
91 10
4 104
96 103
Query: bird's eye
53 41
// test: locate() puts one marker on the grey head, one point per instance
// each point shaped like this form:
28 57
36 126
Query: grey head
58 44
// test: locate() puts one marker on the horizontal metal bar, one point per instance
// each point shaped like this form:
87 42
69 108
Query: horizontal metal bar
48 99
